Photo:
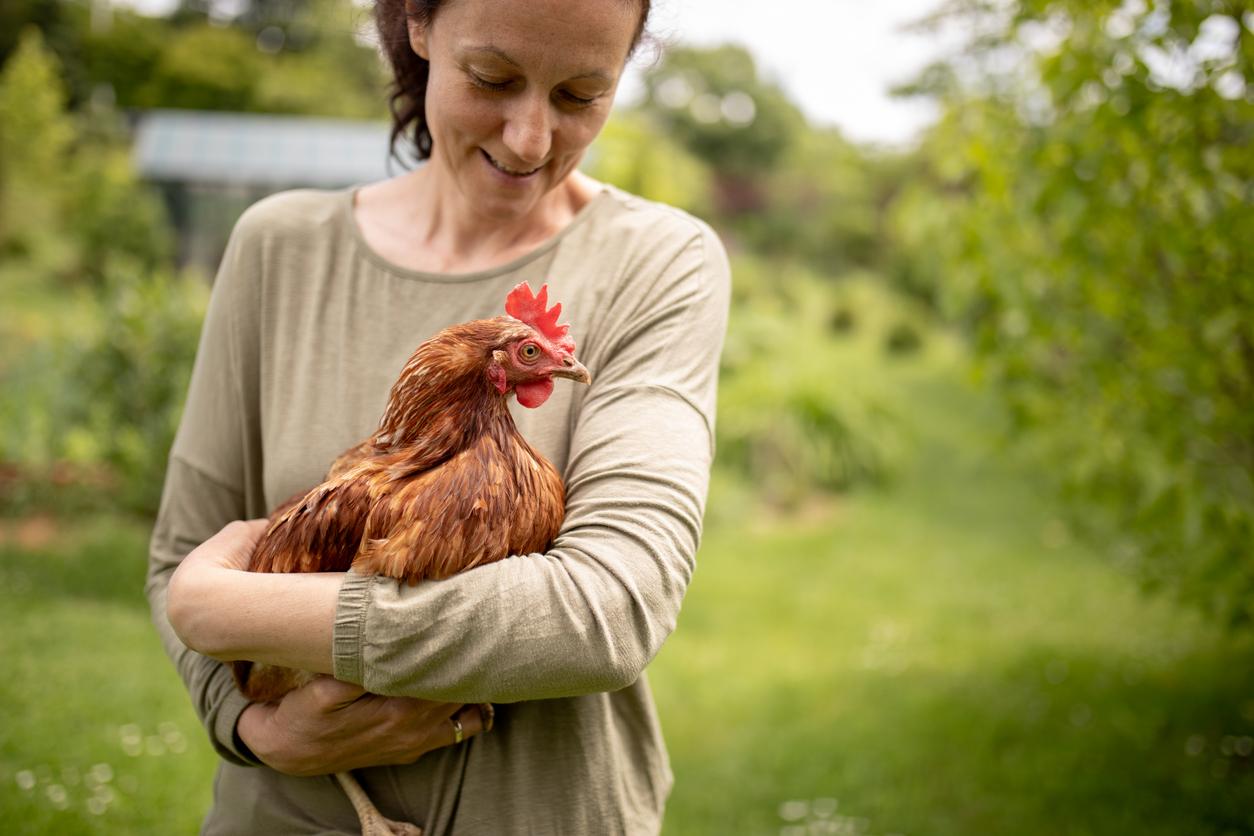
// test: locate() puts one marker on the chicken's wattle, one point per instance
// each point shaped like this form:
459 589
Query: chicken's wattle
534 393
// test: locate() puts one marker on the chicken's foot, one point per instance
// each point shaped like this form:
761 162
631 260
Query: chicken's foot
372 821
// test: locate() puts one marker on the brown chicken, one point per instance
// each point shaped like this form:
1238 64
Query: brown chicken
446 482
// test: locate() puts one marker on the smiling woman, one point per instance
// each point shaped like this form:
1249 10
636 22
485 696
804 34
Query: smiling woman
504 119
320 299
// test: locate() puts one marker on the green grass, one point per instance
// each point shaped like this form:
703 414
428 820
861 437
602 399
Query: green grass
937 657
940 658
98 735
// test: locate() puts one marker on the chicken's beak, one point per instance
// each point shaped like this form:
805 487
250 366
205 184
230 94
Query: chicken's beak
573 369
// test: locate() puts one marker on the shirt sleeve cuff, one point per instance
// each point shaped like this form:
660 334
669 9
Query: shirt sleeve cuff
225 737
350 626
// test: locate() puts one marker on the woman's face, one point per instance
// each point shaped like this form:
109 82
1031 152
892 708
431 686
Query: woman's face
518 89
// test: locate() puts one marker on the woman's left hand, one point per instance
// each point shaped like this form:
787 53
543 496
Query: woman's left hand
230 548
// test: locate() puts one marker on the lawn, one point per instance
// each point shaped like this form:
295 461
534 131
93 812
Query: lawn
938 656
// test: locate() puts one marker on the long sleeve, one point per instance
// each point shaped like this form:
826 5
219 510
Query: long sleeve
588 615
210 482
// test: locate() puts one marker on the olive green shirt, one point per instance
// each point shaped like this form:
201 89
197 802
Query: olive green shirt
306 332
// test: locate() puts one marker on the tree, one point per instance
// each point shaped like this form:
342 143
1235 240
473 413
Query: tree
713 101
635 154
35 137
1086 214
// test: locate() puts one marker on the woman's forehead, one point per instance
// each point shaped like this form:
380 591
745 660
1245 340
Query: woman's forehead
580 36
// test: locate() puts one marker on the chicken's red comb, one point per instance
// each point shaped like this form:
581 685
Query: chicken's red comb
531 308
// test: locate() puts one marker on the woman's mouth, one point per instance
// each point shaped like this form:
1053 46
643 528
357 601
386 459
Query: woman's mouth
504 169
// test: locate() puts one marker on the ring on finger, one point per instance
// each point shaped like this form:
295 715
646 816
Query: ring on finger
458 734
487 715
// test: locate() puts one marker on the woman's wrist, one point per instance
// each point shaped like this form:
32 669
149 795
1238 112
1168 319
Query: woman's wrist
251 730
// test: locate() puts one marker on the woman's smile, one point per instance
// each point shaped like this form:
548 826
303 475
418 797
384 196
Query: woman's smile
512 173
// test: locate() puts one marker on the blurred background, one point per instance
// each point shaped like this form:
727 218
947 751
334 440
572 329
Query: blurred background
978 555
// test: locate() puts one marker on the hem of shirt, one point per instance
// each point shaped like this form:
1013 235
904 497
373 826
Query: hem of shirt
350 626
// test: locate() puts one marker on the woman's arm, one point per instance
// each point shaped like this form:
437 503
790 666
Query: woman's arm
591 613
325 726
585 617
192 508
219 609
213 478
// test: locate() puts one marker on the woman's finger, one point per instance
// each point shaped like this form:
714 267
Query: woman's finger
331 694
243 539
466 724
231 547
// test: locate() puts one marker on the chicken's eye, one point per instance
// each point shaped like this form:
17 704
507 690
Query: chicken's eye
529 352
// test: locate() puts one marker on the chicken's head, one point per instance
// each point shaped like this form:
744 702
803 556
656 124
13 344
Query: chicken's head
534 349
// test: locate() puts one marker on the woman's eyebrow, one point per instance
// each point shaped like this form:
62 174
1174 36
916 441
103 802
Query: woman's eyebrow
500 53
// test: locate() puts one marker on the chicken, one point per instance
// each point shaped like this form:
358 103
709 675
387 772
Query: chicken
446 482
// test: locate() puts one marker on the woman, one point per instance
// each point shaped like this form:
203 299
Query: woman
320 299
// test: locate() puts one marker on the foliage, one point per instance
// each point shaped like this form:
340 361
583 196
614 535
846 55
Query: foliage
311 64
936 659
101 402
1090 195
35 137
110 214
635 154
802 407
211 67
824 199
133 377
118 62
713 101
778 186
69 200
204 68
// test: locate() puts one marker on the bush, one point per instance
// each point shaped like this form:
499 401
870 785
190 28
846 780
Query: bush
69 199
1089 217
902 338
799 414
96 409
635 154
794 434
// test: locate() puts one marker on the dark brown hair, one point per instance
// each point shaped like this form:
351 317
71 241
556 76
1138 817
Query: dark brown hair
409 71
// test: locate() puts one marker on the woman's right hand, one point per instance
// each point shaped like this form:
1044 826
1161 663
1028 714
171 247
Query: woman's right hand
329 726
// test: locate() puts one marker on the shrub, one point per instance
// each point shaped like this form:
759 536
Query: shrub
798 412
1090 216
94 410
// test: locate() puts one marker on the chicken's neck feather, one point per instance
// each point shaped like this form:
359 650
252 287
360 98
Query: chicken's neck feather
443 399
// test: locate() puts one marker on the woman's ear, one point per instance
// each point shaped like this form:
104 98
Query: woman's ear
418 35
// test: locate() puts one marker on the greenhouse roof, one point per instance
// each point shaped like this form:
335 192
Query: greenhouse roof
259 149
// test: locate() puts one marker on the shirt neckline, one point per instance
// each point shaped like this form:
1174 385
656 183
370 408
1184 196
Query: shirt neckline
349 196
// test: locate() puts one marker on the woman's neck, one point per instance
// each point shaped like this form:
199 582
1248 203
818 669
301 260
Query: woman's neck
421 222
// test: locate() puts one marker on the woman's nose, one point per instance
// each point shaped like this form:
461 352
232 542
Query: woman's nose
528 134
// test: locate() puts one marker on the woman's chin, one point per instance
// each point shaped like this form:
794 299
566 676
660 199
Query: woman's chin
501 197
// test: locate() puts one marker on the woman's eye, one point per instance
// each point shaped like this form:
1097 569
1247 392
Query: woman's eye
580 101
487 83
